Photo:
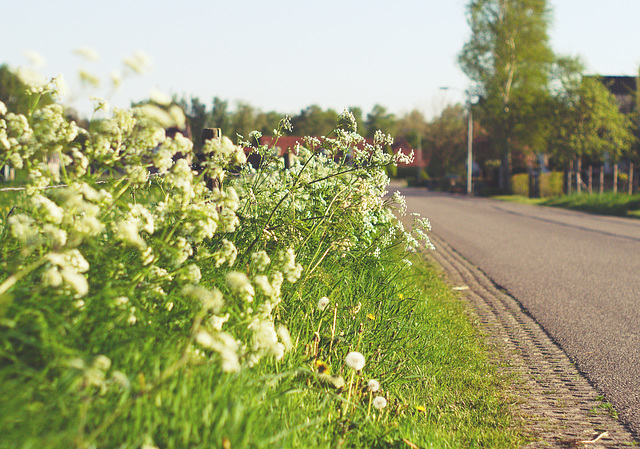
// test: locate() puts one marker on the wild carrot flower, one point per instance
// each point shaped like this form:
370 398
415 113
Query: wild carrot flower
240 284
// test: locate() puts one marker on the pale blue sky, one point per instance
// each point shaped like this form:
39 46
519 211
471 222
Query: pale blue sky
285 55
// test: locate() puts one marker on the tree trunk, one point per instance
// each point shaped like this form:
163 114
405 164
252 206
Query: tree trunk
615 178
505 172
590 179
630 178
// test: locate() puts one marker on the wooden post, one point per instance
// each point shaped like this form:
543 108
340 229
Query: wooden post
579 175
630 178
208 134
615 178
590 179
601 179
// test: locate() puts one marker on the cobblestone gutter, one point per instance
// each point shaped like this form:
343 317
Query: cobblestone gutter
557 405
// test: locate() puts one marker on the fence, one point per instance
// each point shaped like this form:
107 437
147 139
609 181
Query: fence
589 180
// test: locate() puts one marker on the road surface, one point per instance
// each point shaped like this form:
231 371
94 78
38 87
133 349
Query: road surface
577 275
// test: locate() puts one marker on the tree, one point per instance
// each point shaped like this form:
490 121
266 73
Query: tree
220 117
198 120
313 121
412 128
588 123
380 119
446 141
243 121
508 59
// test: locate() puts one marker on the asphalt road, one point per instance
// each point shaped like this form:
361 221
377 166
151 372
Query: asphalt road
577 275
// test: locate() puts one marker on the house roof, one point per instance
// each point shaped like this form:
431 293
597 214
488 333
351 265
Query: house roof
619 85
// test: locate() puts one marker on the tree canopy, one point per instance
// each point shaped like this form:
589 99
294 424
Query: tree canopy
508 59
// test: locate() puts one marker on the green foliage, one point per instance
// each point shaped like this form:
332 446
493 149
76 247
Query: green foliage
313 121
608 203
380 119
520 184
551 184
587 122
446 141
508 58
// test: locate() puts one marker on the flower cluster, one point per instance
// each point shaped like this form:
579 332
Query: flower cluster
124 228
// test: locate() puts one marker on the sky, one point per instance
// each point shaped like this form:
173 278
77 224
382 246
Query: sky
284 55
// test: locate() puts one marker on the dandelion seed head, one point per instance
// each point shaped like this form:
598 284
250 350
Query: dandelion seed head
373 385
355 360
379 403
323 303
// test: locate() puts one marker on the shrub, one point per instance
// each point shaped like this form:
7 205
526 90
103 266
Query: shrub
520 184
551 184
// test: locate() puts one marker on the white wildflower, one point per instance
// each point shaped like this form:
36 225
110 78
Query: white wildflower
217 322
87 53
211 299
260 260
88 78
70 265
159 97
127 232
265 338
191 273
227 253
227 347
285 338
262 282
121 379
50 210
240 284
138 63
290 268
102 362
35 58
204 338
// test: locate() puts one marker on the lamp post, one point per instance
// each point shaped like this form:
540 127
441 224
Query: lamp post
469 142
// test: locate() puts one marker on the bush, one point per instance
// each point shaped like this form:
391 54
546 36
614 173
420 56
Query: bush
520 184
551 184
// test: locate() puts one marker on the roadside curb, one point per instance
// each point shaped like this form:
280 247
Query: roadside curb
556 404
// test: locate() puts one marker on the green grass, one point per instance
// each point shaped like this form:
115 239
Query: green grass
109 339
442 389
609 203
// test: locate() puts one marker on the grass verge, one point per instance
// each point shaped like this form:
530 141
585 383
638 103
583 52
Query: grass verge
440 387
616 204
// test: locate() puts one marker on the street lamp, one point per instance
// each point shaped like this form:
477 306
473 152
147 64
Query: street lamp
469 142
